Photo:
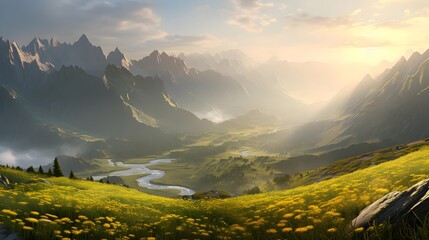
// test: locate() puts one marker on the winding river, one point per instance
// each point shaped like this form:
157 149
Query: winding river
137 169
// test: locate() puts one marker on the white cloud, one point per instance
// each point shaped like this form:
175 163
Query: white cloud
248 4
248 16
100 20
252 23
143 19
295 20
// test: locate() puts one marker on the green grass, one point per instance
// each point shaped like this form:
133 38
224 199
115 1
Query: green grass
352 164
97 211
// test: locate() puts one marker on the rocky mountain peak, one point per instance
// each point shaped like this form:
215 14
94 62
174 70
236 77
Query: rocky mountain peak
36 45
116 57
54 42
83 40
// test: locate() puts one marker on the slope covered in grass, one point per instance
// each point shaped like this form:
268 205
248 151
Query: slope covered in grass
88 210
355 163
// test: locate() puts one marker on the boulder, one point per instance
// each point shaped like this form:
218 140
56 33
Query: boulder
4 181
410 207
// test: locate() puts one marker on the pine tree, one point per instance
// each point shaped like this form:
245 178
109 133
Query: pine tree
91 179
30 169
57 169
72 176
41 170
50 173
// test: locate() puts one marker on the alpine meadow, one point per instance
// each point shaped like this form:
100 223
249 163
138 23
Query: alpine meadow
230 119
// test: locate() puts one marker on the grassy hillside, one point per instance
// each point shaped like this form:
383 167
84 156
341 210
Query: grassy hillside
80 209
352 164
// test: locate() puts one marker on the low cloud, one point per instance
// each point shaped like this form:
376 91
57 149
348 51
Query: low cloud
34 157
7 157
215 115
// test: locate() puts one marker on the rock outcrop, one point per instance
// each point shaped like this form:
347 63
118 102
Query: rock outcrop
4 181
407 207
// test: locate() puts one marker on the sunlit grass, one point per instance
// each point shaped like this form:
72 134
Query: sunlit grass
88 210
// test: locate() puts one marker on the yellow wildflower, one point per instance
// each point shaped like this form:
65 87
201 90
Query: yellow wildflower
51 215
87 222
10 212
27 228
287 229
301 229
32 220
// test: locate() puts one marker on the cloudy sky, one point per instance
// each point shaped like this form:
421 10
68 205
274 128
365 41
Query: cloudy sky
295 30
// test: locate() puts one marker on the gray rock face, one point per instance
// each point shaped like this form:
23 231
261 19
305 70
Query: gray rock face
410 206
4 181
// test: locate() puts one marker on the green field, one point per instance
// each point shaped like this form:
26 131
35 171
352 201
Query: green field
206 162
81 209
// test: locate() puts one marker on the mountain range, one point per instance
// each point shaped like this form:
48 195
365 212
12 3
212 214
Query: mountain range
58 90
195 90
389 108
62 93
